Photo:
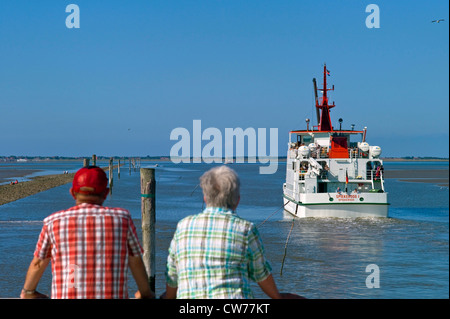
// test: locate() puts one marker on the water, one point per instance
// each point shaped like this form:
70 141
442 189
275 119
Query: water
325 258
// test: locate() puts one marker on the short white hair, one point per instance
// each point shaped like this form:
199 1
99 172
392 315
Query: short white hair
221 187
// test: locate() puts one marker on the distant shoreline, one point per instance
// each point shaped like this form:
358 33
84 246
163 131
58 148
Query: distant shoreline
414 159
27 159
10 193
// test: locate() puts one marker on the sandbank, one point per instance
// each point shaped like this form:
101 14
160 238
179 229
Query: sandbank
434 176
10 193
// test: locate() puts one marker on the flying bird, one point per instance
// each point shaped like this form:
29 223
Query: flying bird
437 21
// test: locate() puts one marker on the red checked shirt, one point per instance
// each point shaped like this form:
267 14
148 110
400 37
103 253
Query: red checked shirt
89 247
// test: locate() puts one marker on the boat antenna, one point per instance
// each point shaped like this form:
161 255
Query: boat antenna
317 101
325 121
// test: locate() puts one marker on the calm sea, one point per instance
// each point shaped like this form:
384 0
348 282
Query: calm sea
324 258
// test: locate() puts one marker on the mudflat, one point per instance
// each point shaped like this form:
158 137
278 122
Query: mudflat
10 193
6 174
435 176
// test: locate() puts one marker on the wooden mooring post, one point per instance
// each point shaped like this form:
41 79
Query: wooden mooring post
86 162
111 174
118 169
148 216
94 160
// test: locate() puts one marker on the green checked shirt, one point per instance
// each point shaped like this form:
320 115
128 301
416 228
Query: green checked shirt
214 254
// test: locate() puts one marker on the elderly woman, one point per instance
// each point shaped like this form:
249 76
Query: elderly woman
214 254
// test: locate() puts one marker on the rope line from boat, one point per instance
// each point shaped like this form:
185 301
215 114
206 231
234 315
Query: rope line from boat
272 215
285 246
194 189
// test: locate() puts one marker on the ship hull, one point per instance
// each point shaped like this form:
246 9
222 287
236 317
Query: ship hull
337 209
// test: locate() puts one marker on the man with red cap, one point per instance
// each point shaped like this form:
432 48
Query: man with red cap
90 247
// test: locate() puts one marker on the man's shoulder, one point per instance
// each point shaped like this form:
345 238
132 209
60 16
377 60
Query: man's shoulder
202 216
87 209
188 219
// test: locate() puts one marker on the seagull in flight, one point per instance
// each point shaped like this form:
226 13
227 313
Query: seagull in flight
437 21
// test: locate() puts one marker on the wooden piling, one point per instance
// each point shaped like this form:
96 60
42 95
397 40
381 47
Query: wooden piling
148 190
118 169
86 162
110 175
94 160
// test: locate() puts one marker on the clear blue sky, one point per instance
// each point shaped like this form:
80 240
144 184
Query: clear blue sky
135 70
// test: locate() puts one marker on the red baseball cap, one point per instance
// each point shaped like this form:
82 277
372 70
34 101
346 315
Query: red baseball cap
90 180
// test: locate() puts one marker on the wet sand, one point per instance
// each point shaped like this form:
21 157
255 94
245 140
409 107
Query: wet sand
6 175
434 176
10 193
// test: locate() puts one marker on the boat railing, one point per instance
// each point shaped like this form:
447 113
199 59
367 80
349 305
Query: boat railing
356 153
322 152
375 174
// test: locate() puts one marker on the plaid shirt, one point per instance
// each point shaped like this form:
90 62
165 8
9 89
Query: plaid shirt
214 254
89 247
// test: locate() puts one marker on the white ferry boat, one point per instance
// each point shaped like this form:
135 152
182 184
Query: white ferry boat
333 172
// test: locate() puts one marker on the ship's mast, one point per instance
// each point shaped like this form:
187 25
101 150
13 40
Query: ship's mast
325 120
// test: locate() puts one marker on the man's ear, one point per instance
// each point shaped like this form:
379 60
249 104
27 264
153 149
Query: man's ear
105 193
72 193
237 204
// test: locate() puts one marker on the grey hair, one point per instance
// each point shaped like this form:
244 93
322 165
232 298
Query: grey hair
221 187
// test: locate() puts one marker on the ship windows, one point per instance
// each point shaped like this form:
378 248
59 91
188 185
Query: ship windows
306 139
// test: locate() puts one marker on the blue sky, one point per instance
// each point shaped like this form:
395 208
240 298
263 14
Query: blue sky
136 70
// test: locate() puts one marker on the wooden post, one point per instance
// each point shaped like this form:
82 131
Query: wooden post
94 160
110 175
86 162
118 169
148 190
